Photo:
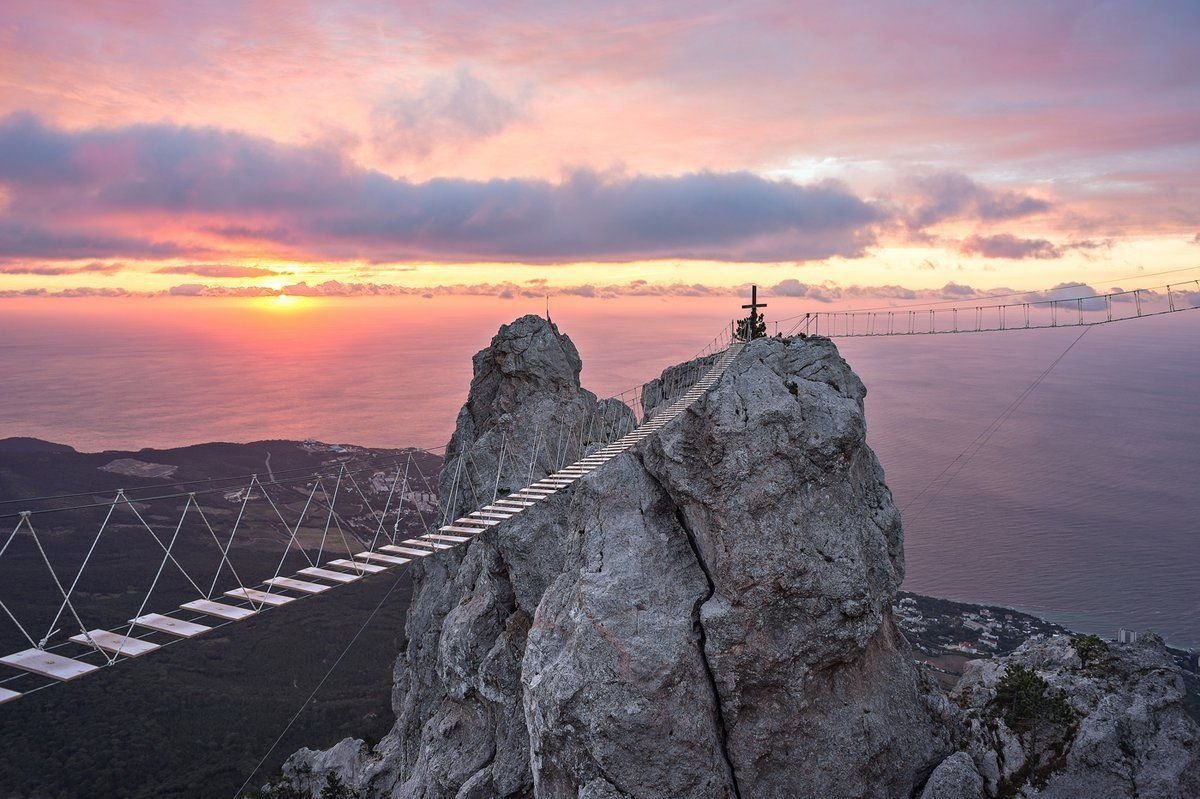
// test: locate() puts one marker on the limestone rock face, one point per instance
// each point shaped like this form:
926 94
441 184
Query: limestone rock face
796 531
525 416
954 778
1129 736
617 692
707 615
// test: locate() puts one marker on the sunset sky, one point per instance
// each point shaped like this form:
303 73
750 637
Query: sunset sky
594 149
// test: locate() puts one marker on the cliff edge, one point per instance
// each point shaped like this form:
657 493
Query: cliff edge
708 615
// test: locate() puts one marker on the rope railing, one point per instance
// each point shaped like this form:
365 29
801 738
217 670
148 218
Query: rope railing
1031 314
77 632
571 438
201 532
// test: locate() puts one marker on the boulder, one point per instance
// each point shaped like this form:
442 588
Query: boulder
1127 734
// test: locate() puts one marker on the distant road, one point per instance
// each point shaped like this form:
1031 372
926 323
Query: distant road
270 474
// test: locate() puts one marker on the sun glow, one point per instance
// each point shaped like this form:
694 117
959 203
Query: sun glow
281 303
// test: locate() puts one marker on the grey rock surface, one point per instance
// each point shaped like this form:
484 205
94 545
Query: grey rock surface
525 416
954 778
708 615
617 692
349 759
796 531
1130 735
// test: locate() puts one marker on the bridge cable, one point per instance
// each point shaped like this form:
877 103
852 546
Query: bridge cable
399 576
923 303
986 434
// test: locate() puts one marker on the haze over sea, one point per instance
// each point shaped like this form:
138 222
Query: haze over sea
1083 506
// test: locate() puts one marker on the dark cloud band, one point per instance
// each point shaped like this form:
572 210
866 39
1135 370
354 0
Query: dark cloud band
317 202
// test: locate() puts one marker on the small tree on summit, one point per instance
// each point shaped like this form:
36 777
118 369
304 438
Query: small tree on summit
336 789
1023 699
751 327
1090 648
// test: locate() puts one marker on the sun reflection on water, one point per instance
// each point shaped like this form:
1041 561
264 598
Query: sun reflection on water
283 302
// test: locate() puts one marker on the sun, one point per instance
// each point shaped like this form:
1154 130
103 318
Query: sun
281 303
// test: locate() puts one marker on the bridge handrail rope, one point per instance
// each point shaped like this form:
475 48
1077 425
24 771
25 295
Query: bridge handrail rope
1083 311
921 303
604 433
980 441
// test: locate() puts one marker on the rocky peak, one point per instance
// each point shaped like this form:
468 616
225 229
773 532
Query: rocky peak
707 615
795 530
525 416
527 358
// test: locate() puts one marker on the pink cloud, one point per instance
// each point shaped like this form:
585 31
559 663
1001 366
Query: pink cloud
218 270
1006 245
949 196
96 267
1095 101
335 209
967 81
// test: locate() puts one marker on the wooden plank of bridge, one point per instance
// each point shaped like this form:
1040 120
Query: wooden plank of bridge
486 514
457 539
420 553
260 597
418 542
47 664
478 522
391 560
453 528
218 609
166 624
329 574
368 568
115 643
303 586
7 695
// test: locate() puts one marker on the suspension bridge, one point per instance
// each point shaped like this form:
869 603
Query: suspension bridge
335 535
955 316
352 538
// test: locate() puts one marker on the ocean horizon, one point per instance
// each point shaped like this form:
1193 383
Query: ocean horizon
1081 506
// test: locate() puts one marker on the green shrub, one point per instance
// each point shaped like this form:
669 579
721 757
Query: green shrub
1090 648
336 789
1024 700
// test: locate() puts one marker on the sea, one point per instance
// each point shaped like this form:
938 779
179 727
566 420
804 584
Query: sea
1070 492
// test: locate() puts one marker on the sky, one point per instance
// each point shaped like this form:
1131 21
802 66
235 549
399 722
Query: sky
594 149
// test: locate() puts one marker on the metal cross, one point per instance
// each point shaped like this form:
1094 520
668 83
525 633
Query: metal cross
756 327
